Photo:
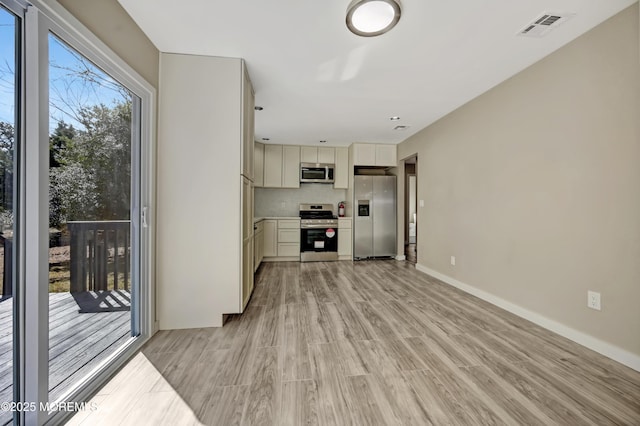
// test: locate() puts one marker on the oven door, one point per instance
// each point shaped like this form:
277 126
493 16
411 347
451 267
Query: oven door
319 239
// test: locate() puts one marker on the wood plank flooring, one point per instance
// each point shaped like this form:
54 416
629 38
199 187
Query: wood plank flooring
366 343
78 342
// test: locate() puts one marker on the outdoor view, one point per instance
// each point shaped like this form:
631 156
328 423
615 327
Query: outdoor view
91 276
89 216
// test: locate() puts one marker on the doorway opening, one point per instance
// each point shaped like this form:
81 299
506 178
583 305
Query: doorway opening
411 212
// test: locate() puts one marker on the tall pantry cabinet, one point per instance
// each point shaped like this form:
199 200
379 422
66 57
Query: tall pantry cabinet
204 190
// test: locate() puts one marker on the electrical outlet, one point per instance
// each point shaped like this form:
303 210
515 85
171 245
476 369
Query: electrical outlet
453 260
593 300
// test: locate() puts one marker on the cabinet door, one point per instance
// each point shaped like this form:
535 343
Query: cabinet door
386 155
270 238
290 166
341 171
272 166
326 155
345 238
364 154
309 154
247 125
258 165
247 242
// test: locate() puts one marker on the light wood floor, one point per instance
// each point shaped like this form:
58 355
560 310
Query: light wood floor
372 342
83 332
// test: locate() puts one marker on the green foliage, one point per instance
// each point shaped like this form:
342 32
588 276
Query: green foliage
7 136
90 168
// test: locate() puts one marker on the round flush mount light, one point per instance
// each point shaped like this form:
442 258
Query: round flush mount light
394 118
369 18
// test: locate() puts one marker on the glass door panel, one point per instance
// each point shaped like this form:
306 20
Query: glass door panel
9 30
92 275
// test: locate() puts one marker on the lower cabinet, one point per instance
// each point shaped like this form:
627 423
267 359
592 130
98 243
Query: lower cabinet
281 239
345 238
270 235
258 244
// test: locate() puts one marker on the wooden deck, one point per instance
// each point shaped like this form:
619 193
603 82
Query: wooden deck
83 329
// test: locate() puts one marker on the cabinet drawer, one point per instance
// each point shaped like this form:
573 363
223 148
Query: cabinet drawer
288 249
289 236
288 223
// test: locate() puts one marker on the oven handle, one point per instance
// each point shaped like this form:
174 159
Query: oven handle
321 226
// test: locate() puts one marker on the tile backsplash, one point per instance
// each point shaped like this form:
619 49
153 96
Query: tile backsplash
277 202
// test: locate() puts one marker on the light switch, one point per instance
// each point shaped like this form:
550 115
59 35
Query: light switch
421 203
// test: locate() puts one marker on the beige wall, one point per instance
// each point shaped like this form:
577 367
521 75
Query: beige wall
535 186
111 24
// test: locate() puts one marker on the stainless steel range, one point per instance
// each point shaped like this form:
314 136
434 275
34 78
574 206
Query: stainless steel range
318 233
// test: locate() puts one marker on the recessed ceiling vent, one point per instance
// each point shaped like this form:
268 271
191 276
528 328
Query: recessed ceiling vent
545 23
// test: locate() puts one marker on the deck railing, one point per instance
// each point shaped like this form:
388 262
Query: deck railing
100 255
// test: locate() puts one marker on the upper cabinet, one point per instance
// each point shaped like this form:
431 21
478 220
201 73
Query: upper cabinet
248 104
290 166
281 166
312 154
341 171
258 165
374 155
273 166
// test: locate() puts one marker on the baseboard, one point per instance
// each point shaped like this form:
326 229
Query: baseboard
620 355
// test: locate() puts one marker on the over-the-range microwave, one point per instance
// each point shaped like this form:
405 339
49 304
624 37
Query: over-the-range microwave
316 173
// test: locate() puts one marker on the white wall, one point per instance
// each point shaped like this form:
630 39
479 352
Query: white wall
199 152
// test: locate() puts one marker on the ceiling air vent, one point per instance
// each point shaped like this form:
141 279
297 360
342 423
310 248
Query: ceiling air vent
545 23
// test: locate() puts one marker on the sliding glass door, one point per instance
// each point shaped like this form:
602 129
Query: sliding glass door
75 186
10 29
91 246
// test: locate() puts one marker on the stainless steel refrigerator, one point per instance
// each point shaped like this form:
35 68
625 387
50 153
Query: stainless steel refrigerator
374 216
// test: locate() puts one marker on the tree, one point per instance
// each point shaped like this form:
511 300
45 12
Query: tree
90 174
7 137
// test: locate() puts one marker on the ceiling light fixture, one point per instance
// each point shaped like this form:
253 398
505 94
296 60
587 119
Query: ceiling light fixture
369 18
323 141
266 139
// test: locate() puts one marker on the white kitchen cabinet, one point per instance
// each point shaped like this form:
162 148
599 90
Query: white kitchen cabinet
312 154
364 154
247 241
326 155
345 238
386 155
272 166
383 155
281 240
258 244
202 120
248 104
341 171
290 166
270 231
308 154
258 165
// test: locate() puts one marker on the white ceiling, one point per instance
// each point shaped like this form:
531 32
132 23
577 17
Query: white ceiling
317 81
